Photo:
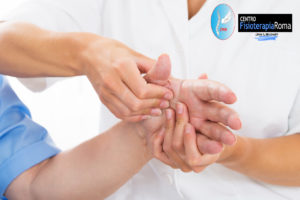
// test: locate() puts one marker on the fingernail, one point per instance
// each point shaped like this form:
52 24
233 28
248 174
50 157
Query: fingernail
164 104
169 114
146 117
156 112
168 96
179 108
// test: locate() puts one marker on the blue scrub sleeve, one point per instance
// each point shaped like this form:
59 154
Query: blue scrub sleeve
23 143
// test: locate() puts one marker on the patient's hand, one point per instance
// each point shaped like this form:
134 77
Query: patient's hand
161 132
203 100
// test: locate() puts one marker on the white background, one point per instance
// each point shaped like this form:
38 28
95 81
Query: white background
67 125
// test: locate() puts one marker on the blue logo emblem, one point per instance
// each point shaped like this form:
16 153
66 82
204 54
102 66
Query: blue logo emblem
223 21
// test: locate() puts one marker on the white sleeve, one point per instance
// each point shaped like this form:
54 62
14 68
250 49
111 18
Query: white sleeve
57 15
294 116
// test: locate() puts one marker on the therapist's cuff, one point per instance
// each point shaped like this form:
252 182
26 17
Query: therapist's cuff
24 160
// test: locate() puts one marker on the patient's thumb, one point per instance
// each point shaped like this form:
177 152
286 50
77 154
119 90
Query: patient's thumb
161 72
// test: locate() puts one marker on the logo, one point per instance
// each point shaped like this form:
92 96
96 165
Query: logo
266 26
223 21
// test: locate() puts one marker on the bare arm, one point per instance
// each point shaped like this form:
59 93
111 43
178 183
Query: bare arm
113 69
93 170
28 51
275 160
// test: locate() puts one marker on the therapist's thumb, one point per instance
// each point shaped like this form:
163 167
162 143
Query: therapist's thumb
144 63
161 71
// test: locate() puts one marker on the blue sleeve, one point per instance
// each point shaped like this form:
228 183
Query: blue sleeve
23 143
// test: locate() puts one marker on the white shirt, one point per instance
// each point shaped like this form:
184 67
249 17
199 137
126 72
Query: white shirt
264 76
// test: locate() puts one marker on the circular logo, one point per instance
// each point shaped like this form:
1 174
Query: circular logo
223 21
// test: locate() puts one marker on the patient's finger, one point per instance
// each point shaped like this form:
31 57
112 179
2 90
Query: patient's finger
209 90
216 132
218 112
208 146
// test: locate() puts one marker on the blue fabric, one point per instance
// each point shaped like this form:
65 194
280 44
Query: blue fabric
23 143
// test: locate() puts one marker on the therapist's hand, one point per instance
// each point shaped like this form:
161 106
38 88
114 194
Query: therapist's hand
115 73
205 102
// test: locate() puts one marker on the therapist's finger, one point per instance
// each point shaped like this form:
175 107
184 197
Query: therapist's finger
122 112
117 108
217 132
134 105
114 104
208 90
144 63
137 84
167 145
218 112
182 119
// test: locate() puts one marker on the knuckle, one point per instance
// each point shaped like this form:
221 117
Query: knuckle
109 83
201 122
141 93
136 106
180 122
106 81
121 64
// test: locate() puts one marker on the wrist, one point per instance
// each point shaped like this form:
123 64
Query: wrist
71 46
139 132
86 49
235 154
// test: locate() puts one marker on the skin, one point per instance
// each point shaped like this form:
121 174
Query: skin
112 68
115 72
119 152
272 160
255 158
194 6
196 96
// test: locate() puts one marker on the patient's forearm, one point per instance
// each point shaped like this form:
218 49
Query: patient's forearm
93 170
275 160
